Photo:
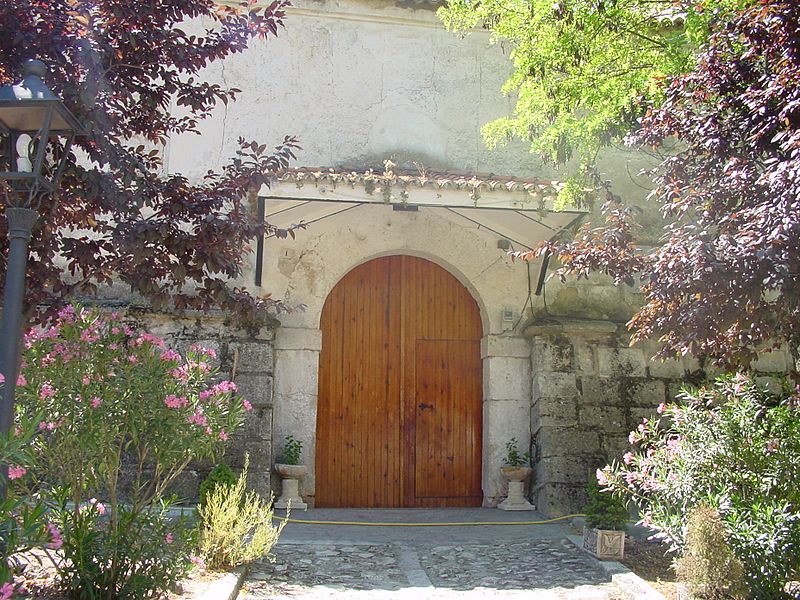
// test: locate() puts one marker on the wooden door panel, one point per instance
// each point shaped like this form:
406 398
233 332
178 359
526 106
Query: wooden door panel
448 419
390 328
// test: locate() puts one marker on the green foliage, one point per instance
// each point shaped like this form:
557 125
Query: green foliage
222 474
151 547
292 450
236 526
115 399
513 457
708 564
605 510
585 71
23 518
736 447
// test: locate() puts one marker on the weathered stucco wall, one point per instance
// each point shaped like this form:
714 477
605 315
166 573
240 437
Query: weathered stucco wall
359 82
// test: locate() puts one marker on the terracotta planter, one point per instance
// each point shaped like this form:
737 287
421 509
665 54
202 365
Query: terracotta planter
604 544
516 476
290 486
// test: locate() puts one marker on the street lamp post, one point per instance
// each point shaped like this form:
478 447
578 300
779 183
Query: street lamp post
36 131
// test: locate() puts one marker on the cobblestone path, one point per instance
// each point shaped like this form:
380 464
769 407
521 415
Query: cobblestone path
548 569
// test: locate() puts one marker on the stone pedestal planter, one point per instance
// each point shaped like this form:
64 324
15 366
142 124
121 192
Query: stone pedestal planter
604 544
516 500
290 486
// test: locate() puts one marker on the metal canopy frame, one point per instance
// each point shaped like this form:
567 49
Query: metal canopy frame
498 220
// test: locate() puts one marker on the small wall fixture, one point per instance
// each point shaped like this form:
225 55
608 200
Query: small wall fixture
405 207
503 244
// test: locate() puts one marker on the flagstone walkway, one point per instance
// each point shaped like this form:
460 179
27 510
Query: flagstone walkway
439 563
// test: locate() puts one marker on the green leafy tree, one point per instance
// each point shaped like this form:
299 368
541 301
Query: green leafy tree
585 70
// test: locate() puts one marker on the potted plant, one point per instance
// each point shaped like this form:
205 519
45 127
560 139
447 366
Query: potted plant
516 469
291 472
604 532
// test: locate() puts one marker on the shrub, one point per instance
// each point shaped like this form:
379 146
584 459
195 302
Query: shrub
292 449
708 564
735 446
219 475
115 397
23 519
236 526
605 510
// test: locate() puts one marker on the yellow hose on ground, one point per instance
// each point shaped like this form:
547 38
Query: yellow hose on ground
464 524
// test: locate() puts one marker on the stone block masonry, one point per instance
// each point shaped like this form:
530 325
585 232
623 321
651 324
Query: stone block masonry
589 389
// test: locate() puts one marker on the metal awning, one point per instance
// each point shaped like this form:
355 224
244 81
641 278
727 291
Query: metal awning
520 210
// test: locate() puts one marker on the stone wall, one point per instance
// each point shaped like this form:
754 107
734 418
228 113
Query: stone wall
246 359
589 390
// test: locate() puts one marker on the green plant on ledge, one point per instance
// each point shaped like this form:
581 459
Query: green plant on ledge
513 456
292 449
605 510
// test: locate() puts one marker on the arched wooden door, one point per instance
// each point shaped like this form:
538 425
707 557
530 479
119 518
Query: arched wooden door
399 414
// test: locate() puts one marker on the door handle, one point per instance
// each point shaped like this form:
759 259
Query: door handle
422 406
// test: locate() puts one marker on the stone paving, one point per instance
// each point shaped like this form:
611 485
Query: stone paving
540 569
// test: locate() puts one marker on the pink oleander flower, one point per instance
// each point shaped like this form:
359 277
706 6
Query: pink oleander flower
661 408
632 437
96 402
197 418
627 458
98 506
133 359
2 378
15 472
602 477
89 336
168 538
149 337
247 406
209 431
202 366
181 374
173 401
198 561
46 391
115 330
224 387
7 591
67 313
197 348
170 354
113 346
205 395
21 380
222 435
86 380
55 536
